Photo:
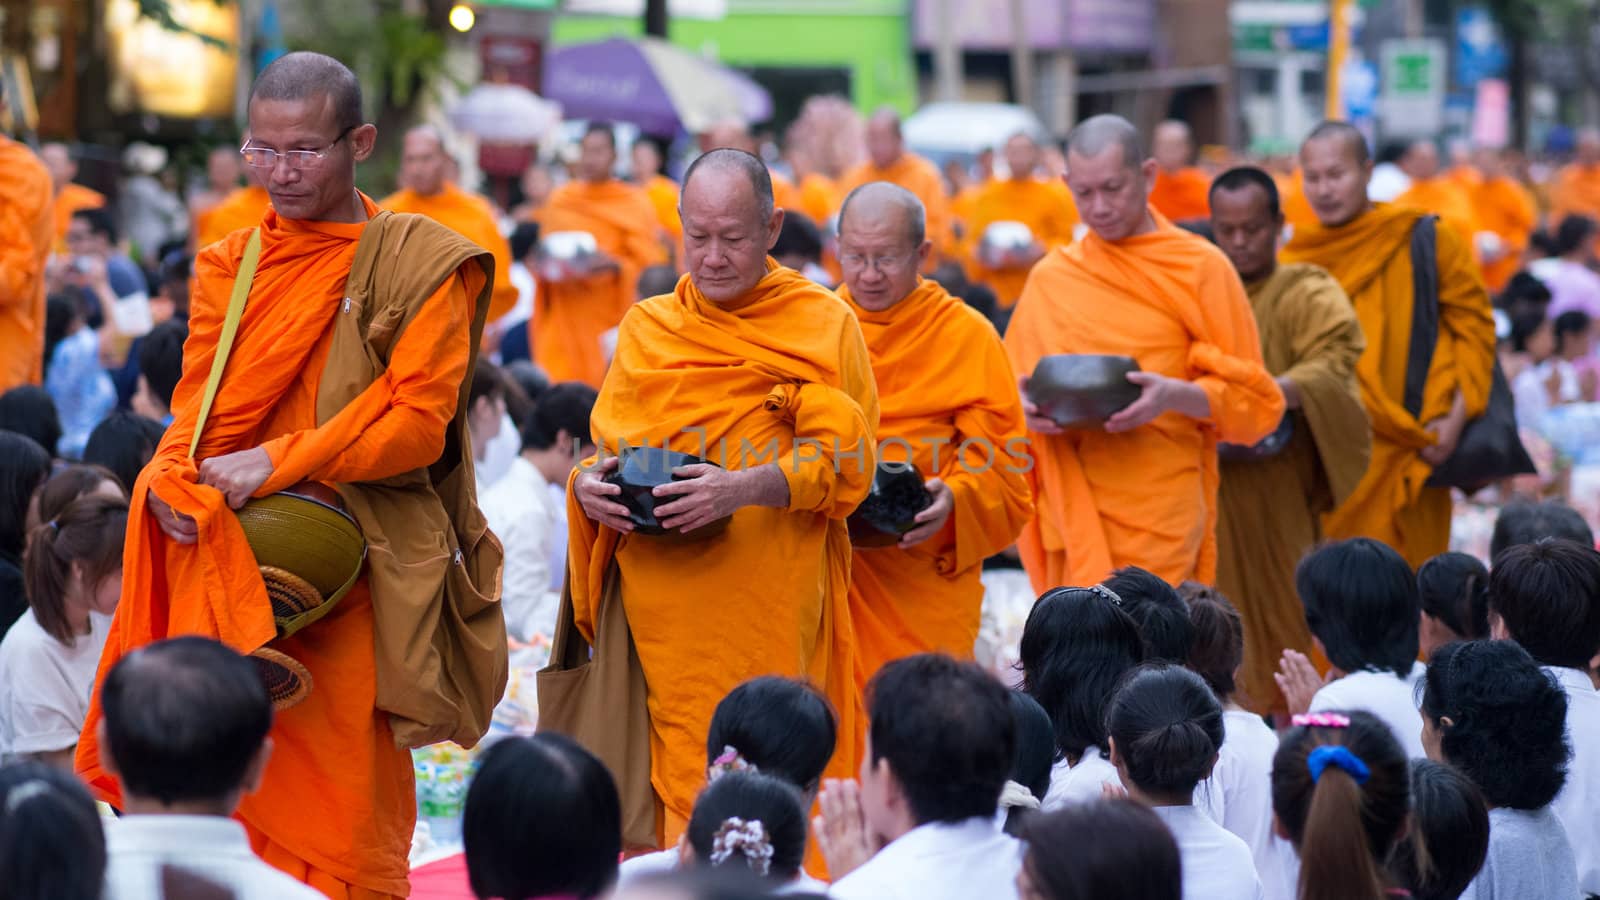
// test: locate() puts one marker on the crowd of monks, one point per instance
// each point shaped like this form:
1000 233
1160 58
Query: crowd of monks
1296 314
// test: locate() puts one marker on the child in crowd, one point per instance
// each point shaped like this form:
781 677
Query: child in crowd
1546 597
1162 617
1165 730
51 843
1363 611
1449 835
542 820
1454 591
1493 714
1238 795
24 465
1077 644
1120 851
1030 768
1341 794
72 571
749 820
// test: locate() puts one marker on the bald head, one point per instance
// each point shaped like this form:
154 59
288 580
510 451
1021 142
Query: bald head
730 134
1348 138
306 76
885 145
58 159
1097 134
1421 160
882 244
1588 146
725 161
1172 145
729 223
1022 156
1335 168
880 202
424 164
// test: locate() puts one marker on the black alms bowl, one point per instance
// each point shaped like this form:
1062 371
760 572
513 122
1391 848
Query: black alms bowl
1082 390
891 507
641 469
1266 448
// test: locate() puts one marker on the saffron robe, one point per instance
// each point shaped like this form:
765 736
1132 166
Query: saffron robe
27 230
1044 205
473 218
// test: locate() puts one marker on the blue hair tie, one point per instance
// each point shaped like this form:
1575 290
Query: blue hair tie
1334 755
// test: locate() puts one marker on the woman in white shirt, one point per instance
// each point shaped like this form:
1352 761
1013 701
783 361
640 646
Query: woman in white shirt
1363 610
1119 851
72 572
1165 730
1076 646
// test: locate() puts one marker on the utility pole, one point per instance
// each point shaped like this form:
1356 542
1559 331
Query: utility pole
1021 54
655 18
947 53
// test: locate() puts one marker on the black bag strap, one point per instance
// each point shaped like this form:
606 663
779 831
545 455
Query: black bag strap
1424 310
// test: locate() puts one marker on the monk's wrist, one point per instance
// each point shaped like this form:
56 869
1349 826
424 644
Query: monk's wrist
764 485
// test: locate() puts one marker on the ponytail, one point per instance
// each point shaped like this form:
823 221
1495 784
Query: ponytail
1335 860
87 534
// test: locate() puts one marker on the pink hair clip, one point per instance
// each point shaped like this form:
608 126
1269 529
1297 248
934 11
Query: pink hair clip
1321 720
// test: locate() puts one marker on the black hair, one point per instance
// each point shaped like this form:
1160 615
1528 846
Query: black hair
304 75
52 845
1508 721
1119 851
542 819
1217 650
487 382
60 311
784 727
1036 744
1344 830
1449 835
1361 601
1548 596
524 239
752 797
1571 322
161 358
1242 177
1574 233
28 410
1077 644
563 407
1521 522
123 443
64 486
600 126
24 465
1161 614
1168 729
533 381
1454 588
184 719
944 727
100 221
1542 242
708 883
1525 323
798 236
1524 290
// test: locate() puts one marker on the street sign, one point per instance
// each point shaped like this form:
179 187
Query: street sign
1480 50
1413 86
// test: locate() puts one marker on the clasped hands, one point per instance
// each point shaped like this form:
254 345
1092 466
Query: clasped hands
236 475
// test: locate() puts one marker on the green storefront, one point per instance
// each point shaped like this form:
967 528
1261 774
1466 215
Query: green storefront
794 48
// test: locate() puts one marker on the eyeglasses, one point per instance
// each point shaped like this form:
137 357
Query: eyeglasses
887 265
267 158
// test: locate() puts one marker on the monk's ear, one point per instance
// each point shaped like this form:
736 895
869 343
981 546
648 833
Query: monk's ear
774 226
923 252
1147 171
362 141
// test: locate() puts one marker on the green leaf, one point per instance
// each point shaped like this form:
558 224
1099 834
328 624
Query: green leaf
160 12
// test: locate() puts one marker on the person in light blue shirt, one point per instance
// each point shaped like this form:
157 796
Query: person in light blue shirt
76 381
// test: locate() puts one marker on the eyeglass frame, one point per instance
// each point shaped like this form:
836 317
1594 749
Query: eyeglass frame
317 155
877 262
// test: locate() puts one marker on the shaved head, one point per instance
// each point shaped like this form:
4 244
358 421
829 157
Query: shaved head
729 223
305 76
1172 143
879 200
1097 134
885 144
1346 134
1421 160
731 134
726 160
424 162
1335 168
58 160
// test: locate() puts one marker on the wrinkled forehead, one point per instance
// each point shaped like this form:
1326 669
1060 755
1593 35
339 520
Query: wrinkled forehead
307 120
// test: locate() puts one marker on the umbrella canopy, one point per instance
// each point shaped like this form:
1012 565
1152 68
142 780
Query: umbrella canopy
505 114
651 83
942 131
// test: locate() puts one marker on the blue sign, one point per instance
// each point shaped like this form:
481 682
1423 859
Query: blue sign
1480 48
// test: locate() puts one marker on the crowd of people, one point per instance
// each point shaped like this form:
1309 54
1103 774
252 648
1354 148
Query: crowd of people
1253 668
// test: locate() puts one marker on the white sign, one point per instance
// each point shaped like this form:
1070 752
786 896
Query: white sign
1413 73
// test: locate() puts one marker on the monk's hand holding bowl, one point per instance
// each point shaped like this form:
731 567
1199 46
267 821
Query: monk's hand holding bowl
1159 395
179 527
594 495
708 493
931 520
1037 423
237 475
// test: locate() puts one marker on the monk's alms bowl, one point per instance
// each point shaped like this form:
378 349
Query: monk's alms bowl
566 254
891 507
1266 448
1082 390
1006 244
642 469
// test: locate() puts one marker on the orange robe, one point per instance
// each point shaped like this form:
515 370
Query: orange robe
26 233
570 316
1297 209
948 404
1182 195
782 376
785 194
337 806
663 194
922 178
1446 198
962 207
1146 497
1371 258
473 218
1506 208
70 199
244 208
1575 189
1044 205
819 198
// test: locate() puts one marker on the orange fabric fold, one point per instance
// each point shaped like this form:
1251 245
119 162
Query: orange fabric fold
1182 195
1506 208
27 223
244 208
470 216
570 316
920 177
1146 497
1575 189
782 376
819 198
1446 198
663 194
337 801
949 405
1371 258
1044 205
71 198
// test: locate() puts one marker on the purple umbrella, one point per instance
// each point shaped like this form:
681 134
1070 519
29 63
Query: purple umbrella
652 84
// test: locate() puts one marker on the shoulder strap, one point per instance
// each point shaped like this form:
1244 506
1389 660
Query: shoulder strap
230 327
1424 310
